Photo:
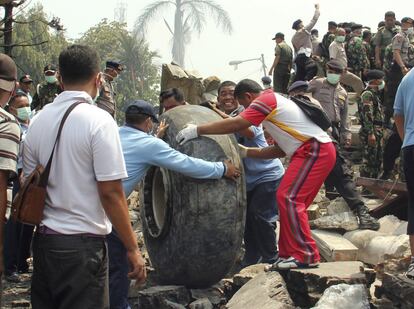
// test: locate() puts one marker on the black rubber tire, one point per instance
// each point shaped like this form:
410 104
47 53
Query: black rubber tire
203 219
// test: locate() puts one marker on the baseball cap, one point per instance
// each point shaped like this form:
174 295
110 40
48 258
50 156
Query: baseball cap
116 65
26 79
298 85
141 107
8 73
279 35
49 68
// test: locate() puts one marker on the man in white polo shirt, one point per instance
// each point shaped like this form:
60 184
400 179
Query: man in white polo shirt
84 192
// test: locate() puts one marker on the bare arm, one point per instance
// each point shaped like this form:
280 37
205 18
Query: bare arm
275 63
226 126
270 152
397 57
115 205
399 123
378 60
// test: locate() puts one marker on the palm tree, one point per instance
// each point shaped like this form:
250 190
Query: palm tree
190 15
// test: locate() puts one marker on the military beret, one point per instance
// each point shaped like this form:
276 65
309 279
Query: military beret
266 80
356 26
381 24
375 74
332 24
279 35
335 65
296 24
114 65
298 85
407 20
49 68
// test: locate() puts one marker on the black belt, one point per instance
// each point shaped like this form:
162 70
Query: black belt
377 123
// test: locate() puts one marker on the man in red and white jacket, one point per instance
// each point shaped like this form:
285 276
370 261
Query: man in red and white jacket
312 158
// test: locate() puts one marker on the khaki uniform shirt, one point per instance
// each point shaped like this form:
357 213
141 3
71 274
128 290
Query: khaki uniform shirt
337 52
285 52
301 40
402 43
383 38
334 100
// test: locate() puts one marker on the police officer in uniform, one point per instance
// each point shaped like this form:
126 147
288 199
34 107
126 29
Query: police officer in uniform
399 67
384 37
372 130
106 99
282 64
340 177
47 91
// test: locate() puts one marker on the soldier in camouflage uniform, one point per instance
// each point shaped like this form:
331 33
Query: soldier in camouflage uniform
106 99
357 59
366 41
282 64
384 37
47 91
372 130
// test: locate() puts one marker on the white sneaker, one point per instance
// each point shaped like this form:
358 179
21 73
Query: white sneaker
292 263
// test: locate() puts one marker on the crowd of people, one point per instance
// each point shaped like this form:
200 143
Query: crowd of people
85 252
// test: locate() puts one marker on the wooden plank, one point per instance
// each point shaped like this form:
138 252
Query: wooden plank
334 247
382 187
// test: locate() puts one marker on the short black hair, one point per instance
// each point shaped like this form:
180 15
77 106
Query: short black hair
389 14
78 64
247 85
313 31
177 93
19 93
227 83
135 118
366 34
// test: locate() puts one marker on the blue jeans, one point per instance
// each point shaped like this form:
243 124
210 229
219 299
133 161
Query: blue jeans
260 231
118 272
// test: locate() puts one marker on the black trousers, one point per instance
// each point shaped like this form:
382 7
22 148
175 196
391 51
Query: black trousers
69 272
394 78
306 68
17 241
408 157
392 150
259 234
281 77
118 272
341 178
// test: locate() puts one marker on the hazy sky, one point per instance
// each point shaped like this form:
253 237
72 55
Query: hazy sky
255 23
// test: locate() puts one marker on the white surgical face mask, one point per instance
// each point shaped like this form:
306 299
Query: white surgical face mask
381 86
23 113
340 38
51 79
409 31
333 78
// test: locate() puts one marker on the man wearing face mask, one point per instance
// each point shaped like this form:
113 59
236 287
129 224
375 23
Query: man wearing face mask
306 69
340 177
106 98
9 141
18 236
399 67
357 58
26 84
372 121
141 151
47 91
337 52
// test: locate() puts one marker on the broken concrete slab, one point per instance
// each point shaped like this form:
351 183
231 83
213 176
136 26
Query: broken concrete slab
389 224
342 221
248 273
344 296
313 212
398 289
265 291
375 247
338 206
163 297
334 247
306 286
202 303
214 294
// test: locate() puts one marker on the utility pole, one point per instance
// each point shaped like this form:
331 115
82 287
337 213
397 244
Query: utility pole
121 12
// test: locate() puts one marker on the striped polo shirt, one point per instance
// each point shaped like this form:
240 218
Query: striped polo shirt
284 120
9 142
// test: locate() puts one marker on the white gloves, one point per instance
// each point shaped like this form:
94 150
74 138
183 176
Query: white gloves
188 133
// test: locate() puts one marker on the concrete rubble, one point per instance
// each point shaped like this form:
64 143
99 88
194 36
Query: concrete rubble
344 296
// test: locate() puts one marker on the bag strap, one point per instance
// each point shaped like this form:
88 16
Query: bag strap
44 178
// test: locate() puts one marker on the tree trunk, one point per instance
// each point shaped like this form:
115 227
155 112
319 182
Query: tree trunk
8 28
178 50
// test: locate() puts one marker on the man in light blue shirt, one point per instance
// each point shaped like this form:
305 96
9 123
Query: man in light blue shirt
262 180
141 151
404 120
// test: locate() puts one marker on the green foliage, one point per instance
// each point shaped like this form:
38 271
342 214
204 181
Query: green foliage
140 79
32 28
